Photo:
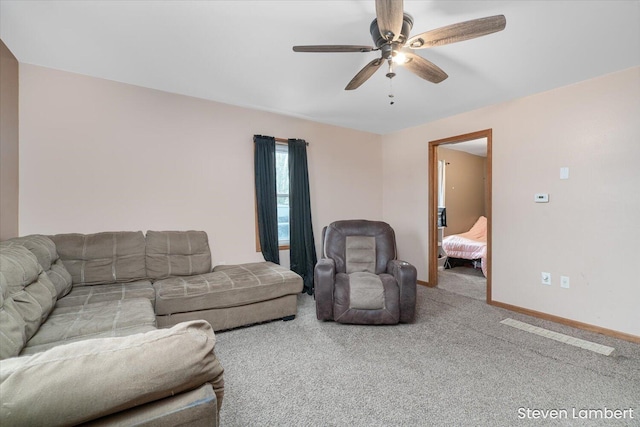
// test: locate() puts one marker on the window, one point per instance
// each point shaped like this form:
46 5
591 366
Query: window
283 204
442 211
282 193
441 182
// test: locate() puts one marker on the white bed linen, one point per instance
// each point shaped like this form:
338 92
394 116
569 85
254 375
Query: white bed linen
469 245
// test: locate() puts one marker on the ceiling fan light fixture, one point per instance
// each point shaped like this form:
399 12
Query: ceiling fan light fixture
399 57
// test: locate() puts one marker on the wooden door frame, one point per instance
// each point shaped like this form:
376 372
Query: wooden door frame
433 202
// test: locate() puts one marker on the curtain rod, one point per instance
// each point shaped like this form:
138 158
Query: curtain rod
285 141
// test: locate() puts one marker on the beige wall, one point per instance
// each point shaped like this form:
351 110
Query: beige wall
98 155
8 143
588 231
464 195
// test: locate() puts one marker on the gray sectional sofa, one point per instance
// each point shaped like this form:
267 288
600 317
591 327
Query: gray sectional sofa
79 318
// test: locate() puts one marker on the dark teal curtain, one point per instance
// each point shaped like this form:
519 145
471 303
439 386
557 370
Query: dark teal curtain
265 175
301 243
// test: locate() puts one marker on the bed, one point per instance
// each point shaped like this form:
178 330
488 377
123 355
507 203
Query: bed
469 245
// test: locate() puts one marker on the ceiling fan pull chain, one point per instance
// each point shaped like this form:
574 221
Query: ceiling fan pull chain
391 75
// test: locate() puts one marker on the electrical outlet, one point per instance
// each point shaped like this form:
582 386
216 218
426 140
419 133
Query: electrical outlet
564 282
546 278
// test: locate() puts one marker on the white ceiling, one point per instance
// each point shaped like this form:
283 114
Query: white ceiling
477 147
239 52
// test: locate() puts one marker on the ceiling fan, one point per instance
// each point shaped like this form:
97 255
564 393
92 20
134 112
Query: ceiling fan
390 33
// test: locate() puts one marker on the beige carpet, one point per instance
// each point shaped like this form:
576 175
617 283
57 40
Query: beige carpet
456 365
466 281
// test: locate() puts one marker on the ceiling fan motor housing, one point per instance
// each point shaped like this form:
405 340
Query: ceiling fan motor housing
387 48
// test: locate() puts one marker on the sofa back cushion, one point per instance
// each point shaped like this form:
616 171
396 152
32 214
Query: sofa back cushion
27 297
12 326
45 251
177 253
102 258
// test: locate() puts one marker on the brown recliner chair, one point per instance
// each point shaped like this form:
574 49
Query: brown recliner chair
359 280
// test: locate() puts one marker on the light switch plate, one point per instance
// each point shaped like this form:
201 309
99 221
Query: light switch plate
541 198
564 173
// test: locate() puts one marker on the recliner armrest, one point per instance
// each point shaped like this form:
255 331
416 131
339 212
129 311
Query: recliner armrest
406 275
324 277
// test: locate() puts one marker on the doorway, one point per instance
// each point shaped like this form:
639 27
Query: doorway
435 232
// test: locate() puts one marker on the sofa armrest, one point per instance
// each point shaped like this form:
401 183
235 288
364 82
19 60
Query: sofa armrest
324 278
191 408
85 380
406 276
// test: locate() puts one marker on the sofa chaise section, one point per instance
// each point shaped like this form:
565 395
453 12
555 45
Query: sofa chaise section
179 263
230 296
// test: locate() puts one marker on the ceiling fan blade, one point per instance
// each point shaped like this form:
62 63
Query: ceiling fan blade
389 14
364 74
333 48
423 68
458 32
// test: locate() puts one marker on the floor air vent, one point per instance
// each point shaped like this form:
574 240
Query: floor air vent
576 342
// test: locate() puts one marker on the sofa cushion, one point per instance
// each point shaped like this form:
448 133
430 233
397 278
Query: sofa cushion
93 378
116 332
226 286
177 253
12 327
45 251
23 281
103 258
109 318
83 295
